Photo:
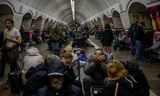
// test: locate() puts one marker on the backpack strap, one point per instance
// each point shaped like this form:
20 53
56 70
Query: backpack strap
116 89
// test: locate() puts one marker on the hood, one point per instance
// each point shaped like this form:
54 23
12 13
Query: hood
32 51
51 58
56 69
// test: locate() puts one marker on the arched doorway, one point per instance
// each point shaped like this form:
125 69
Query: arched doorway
38 23
105 19
138 12
26 22
99 23
25 29
46 24
8 13
116 20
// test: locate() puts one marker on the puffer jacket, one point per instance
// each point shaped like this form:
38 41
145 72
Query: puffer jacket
32 59
126 87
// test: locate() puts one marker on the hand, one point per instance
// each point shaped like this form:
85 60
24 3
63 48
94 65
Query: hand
8 37
101 58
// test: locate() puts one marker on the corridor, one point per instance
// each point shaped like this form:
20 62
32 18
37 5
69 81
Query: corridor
151 70
50 25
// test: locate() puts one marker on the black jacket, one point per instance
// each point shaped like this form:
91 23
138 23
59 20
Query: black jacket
97 72
126 88
107 37
139 33
66 90
39 78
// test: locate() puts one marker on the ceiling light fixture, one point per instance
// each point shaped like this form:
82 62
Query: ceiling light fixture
73 9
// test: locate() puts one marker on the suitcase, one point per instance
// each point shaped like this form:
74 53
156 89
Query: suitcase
16 82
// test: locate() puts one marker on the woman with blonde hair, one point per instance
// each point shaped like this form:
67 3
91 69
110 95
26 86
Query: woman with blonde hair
116 70
69 49
118 82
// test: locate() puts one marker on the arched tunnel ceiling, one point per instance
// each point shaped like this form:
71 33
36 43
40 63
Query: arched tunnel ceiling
61 9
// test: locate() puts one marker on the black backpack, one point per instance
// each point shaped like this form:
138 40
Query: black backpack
142 83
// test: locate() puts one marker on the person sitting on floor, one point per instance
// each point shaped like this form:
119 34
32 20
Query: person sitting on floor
58 86
95 72
37 77
32 59
120 82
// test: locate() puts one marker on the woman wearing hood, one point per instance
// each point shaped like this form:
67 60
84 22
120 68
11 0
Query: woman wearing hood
32 59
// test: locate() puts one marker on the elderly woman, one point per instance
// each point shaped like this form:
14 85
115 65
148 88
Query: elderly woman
32 58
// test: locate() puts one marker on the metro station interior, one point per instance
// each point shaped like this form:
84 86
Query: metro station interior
36 20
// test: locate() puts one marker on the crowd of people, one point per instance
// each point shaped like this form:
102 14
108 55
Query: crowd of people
54 75
141 41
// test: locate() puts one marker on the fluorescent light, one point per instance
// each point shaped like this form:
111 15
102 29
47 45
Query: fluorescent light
73 8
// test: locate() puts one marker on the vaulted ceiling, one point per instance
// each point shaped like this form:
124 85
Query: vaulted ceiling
61 9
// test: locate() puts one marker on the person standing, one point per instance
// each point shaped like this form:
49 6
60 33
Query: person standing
107 39
139 34
12 39
131 35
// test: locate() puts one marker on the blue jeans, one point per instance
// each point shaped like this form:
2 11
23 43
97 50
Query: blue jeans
138 53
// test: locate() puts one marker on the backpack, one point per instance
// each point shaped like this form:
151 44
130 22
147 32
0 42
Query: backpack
142 83
82 57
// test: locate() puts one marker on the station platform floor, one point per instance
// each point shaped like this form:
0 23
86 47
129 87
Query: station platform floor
151 70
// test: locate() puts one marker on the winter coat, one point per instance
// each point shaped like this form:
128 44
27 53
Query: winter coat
69 75
32 59
39 78
97 72
107 37
135 84
126 87
66 90
139 33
